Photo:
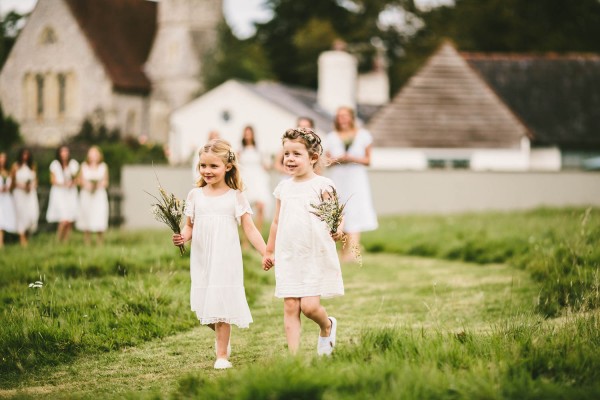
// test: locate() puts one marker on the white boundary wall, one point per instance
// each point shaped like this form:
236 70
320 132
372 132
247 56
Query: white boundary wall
400 192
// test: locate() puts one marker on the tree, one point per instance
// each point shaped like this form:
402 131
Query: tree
9 131
10 27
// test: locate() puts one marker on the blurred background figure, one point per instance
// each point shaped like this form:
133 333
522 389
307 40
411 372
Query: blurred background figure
349 151
93 199
62 205
8 222
301 122
24 189
196 158
254 175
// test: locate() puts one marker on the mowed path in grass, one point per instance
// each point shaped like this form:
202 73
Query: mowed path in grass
388 290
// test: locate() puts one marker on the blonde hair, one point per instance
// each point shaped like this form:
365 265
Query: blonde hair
336 123
100 154
309 138
222 149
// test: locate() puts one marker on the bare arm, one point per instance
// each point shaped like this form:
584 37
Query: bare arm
253 234
268 260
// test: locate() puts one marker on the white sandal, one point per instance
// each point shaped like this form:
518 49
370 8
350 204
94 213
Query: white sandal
222 363
325 345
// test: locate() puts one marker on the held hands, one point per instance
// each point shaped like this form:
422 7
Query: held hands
268 261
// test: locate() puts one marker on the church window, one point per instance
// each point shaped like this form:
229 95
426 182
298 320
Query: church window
39 81
62 93
48 36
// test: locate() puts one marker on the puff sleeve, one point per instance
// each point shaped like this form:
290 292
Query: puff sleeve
242 206
189 209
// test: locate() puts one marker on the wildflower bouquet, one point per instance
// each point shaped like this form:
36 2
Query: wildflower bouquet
330 211
169 210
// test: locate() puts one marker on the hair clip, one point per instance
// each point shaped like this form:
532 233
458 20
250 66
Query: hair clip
231 156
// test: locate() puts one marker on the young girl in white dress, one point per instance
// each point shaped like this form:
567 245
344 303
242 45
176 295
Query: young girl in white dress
349 151
62 205
92 215
24 190
255 176
213 211
8 222
307 267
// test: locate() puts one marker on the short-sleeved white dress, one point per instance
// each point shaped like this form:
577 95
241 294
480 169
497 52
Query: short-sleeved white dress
92 214
306 260
217 293
8 221
254 176
62 204
352 182
27 209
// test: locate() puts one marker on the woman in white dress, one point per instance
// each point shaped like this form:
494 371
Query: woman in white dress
62 205
349 151
93 198
8 222
24 189
254 175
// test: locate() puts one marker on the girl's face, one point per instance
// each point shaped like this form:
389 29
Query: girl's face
93 156
64 153
296 159
344 118
212 168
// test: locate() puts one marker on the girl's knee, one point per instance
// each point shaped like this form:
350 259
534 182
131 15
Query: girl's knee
310 310
291 306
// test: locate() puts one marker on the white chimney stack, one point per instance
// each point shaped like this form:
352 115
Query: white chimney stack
337 80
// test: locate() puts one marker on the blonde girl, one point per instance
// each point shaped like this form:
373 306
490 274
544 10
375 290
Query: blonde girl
213 210
300 246
93 198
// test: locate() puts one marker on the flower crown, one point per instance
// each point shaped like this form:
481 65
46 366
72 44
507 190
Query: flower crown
307 134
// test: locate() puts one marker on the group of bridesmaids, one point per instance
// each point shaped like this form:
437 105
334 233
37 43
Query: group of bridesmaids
87 207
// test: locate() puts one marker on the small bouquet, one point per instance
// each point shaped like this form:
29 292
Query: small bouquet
169 209
94 183
330 211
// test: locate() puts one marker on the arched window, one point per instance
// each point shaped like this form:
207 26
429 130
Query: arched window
39 82
62 94
48 36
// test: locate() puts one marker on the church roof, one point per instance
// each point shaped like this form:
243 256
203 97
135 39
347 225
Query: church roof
447 105
556 96
121 33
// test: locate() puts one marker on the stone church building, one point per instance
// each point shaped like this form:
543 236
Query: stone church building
122 63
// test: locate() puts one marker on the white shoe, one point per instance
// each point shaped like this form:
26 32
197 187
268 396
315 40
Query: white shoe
228 348
222 363
325 345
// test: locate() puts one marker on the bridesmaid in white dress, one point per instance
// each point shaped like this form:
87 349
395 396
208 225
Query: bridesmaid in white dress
62 205
8 222
255 176
349 151
93 198
24 189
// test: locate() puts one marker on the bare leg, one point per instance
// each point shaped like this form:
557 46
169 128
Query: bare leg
312 308
23 239
60 231
223 332
1 239
291 322
67 230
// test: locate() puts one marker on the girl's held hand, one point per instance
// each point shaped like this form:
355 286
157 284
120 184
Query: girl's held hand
178 239
268 262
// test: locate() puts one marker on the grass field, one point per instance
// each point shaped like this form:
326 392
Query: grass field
422 318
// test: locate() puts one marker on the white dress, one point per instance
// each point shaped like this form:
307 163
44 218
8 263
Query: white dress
92 215
256 180
306 261
27 209
62 205
217 291
8 221
352 182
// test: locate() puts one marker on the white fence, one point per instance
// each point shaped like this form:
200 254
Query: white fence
399 192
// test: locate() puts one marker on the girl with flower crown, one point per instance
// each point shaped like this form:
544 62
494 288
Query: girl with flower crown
213 210
300 245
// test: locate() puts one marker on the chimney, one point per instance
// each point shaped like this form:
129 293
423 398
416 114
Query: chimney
337 79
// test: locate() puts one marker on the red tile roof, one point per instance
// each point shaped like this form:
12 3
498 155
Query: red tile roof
121 33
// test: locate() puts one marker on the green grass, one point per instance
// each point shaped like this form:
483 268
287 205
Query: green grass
114 321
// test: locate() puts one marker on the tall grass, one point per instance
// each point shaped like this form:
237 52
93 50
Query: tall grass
93 299
559 247
520 359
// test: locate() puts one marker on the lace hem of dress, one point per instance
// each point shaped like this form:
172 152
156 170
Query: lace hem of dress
232 321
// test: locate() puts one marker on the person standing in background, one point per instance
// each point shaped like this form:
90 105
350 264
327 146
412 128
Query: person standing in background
93 198
24 189
8 222
62 205
349 151
255 176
